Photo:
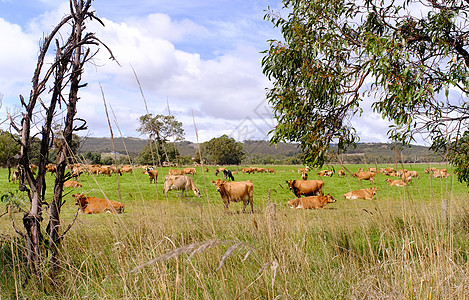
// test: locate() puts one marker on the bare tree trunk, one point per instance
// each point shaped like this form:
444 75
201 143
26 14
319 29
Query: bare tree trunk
65 72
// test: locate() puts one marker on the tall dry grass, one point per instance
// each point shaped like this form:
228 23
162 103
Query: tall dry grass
396 249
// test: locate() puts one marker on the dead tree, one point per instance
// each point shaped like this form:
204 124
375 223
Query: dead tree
59 83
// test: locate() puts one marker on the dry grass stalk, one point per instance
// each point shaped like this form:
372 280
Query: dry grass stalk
229 252
191 248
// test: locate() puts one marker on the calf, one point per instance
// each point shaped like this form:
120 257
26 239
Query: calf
361 194
311 202
93 205
342 173
180 182
235 192
306 187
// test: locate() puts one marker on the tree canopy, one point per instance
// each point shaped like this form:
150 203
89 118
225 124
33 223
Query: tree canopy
410 58
223 151
161 128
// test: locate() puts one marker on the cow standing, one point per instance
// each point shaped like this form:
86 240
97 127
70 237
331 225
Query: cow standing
180 182
235 192
306 187
152 174
365 175
227 174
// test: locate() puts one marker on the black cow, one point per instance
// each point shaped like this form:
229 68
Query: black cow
228 175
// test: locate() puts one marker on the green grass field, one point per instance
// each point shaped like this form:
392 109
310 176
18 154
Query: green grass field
396 245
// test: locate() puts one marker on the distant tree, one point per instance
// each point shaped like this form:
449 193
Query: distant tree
108 160
9 147
224 150
93 157
161 128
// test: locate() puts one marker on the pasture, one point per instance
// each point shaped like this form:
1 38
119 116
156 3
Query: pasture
394 246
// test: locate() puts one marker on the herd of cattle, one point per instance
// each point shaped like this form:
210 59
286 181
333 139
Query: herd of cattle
309 193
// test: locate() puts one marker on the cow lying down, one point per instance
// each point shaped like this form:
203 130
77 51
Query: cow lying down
72 183
93 205
361 194
311 202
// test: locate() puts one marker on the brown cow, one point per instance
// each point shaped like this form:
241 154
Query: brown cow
310 202
15 176
219 170
206 169
342 173
430 170
270 170
248 170
413 174
235 192
126 169
115 169
152 174
190 171
326 173
401 171
365 175
51 168
105 170
389 170
260 170
33 168
361 194
304 175
93 205
440 173
180 182
395 182
306 187
176 172
72 183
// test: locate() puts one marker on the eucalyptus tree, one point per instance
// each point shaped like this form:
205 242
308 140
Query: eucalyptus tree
409 57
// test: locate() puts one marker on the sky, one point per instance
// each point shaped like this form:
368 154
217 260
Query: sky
197 60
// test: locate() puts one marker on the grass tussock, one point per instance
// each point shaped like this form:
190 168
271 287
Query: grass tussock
180 248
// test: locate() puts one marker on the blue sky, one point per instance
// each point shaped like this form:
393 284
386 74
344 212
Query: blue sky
200 58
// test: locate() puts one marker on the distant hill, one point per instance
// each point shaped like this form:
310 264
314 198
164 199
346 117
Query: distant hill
260 152
387 153
104 145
